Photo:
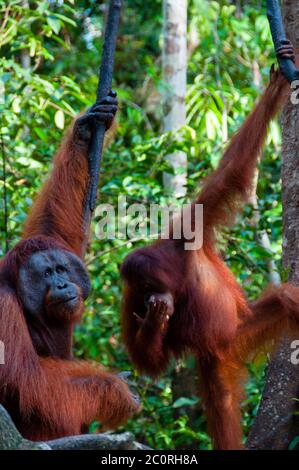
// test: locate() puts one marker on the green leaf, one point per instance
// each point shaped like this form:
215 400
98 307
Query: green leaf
66 19
16 105
127 181
54 24
41 133
182 401
294 443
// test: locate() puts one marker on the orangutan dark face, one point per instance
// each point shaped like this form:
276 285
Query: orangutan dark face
53 283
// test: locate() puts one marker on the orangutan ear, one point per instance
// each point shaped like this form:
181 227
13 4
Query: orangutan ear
78 274
31 291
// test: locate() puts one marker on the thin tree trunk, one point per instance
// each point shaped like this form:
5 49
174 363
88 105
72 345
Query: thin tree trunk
276 423
25 56
174 71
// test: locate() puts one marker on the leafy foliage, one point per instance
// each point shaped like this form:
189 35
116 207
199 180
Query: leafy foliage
50 52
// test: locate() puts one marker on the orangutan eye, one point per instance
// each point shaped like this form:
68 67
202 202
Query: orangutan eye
47 273
60 269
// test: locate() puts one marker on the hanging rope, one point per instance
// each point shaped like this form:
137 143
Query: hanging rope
287 66
104 87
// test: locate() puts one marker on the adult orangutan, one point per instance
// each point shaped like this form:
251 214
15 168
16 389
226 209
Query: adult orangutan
43 285
177 301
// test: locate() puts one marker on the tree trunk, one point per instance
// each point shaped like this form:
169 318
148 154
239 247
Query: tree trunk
276 423
174 72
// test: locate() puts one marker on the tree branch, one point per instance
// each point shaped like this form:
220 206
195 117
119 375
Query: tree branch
11 439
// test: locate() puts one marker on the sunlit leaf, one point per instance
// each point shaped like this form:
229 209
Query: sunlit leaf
59 119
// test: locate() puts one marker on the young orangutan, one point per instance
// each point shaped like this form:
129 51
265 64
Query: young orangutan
177 300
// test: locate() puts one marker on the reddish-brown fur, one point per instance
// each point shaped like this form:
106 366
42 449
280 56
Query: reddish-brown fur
212 317
54 396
